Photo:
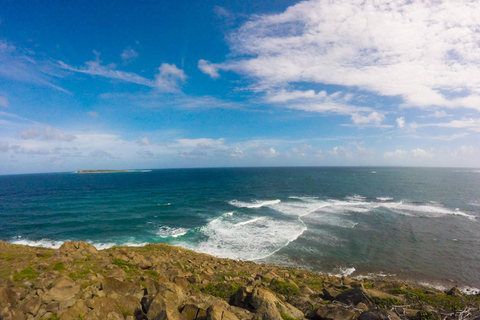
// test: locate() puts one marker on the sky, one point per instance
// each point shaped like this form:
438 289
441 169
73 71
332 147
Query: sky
186 84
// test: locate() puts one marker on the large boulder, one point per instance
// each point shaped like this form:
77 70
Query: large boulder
333 311
353 296
378 314
79 309
264 303
78 248
114 287
169 296
63 288
7 297
104 308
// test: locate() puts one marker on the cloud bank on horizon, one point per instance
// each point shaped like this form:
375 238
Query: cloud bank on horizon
310 83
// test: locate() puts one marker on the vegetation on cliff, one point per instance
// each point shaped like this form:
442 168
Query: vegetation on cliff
160 281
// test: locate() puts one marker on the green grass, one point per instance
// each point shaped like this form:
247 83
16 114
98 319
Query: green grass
284 288
79 275
52 317
124 265
59 266
438 301
45 256
221 290
26 274
386 303
287 317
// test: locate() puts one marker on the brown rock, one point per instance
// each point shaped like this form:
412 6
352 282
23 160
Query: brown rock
63 288
267 303
31 305
329 293
219 312
455 292
128 303
169 295
190 311
112 285
78 309
7 298
169 314
332 311
353 296
104 308
378 314
182 282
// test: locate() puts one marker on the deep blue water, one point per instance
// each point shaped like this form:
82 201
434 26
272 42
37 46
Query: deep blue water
413 223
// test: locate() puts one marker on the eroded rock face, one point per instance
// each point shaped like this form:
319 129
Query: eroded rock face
333 312
78 247
169 296
264 302
63 288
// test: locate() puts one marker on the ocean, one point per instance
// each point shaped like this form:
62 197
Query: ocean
415 224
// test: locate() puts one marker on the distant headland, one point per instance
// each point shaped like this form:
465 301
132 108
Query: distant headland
102 171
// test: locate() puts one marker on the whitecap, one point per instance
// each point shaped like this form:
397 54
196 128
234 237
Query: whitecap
254 204
166 231
384 199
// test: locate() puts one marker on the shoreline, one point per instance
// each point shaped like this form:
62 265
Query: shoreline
423 281
160 281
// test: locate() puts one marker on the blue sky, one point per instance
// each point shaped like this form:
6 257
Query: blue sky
157 84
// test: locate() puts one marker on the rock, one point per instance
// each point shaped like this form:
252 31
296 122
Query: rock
169 314
378 314
31 305
118 274
454 292
74 312
104 308
219 312
7 298
112 285
182 282
129 303
13 314
267 303
329 294
169 295
191 312
80 247
332 311
353 296
63 288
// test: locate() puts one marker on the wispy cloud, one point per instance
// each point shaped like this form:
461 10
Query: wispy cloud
168 79
425 52
129 55
18 65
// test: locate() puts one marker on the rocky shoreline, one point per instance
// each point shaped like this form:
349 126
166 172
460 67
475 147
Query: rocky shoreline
160 281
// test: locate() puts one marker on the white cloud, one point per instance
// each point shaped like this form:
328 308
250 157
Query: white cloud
57 134
464 151
92 114
30 133
144 141
128 55
414 153
420 153
170 78
208 68
424 51
374 117
95 68
4 146
400 122
266 153
465 123
4 102
396 154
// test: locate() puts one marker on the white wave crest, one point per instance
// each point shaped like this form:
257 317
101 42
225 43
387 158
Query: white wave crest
165 232
384 199
249 239
254 204
48 243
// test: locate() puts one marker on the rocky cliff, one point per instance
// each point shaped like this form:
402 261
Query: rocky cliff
164 282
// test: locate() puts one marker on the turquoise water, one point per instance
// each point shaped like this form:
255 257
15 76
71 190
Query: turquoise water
411 223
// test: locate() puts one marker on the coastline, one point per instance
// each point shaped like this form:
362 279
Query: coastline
160 281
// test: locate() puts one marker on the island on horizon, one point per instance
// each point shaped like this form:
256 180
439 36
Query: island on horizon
102 171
